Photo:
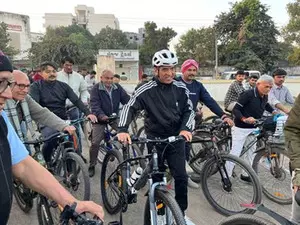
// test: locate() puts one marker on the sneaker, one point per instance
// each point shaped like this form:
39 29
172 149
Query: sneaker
188 221
188 168
91 171
246 178
192 184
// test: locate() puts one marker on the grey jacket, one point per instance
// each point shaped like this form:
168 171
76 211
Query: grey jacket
42 115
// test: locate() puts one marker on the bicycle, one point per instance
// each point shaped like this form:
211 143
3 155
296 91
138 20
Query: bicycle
68 167
160 204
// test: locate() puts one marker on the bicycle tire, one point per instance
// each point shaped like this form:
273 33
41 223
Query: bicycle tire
198 164
110 208
41 208
267 193
245 219
80 166
26 203
257 197
170 202
142 147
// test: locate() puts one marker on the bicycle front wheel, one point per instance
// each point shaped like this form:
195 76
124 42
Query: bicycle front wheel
272 168
226 193
23 196
111 182
72 173
245 219
43 211
165 202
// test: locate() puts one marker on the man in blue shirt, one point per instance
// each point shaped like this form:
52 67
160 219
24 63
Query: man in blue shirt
198 93
15 161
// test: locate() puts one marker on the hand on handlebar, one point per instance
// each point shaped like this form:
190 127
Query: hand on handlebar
103 118
124 138
93 118
249 120
90 207
187 135
228 121
70 129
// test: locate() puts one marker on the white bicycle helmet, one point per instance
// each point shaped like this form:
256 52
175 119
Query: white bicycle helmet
164 58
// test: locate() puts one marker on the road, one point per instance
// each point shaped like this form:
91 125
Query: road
199 209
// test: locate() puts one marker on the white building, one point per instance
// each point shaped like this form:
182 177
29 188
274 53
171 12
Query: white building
126 62
84 16
18 27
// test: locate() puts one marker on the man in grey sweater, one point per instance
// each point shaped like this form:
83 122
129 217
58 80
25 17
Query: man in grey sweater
22 109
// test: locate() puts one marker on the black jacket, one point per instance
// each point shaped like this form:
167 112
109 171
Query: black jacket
168 109
102 104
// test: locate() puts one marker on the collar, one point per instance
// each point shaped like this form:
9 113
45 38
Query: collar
257 95
278 87
103 88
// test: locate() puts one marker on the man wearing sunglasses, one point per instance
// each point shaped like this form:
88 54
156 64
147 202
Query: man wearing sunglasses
22 109
14 161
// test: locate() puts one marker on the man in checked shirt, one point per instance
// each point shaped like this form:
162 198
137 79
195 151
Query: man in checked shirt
234 91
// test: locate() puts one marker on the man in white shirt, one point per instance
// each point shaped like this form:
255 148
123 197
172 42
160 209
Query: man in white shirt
77 83
90 80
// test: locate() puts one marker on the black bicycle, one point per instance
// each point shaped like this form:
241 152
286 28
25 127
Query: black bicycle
160 206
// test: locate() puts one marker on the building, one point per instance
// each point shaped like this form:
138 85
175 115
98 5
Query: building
136 37
84 16
126 62
18 27
36 37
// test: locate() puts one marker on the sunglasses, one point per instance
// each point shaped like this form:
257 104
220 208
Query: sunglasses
4 84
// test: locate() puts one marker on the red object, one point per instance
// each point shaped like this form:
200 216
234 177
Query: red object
37 77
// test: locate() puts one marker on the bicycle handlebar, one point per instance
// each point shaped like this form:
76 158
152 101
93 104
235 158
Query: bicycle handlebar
69 213
171 139
40 141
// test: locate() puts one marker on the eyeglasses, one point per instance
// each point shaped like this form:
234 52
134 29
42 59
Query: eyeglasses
23 86
4 84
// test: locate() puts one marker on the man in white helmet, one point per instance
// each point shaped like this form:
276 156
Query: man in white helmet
169 112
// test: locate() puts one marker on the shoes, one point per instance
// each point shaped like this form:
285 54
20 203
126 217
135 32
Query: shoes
91 171
192 184
246 178
188 221
188 168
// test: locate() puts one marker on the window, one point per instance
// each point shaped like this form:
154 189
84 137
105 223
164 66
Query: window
120 65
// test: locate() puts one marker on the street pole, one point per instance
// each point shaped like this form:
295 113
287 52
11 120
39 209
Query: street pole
216 55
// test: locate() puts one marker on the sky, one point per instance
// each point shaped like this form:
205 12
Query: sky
178 14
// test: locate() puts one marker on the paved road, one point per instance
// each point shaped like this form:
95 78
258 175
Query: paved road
199 209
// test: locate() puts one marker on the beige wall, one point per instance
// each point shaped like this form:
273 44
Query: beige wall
105 62
58 19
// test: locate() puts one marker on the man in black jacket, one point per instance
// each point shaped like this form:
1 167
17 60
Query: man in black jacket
106 97
52 94
169 112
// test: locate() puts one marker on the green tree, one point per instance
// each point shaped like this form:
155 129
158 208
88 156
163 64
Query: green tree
294 57
291 31
198 44
155 40
4 41
109 38
248 36
73 40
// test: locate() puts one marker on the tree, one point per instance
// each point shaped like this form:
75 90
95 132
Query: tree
291 31
294 57
109 38
155 40
248 36
197 44
4 41
73 41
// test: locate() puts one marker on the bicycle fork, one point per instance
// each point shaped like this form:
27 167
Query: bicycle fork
153 207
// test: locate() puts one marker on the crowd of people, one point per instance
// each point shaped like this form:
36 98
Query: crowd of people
48 98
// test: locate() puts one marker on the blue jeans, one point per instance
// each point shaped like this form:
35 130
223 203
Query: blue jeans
75 114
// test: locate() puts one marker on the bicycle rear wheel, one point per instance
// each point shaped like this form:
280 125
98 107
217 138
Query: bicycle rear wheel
227 200
164 201
110 183
272 169
245 219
